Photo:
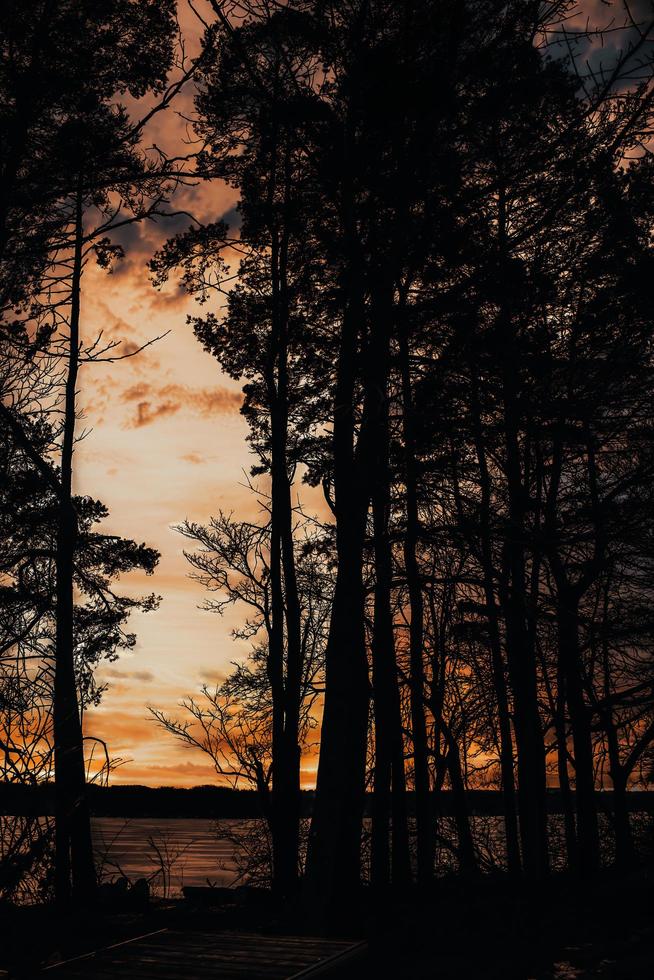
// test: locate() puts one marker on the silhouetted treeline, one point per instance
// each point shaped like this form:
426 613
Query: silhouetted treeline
442 320
211 802
437 297
222 802
72 171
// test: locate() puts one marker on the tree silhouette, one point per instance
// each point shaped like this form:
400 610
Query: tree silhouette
435 295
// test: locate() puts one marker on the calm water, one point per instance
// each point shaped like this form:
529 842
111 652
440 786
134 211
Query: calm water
171 853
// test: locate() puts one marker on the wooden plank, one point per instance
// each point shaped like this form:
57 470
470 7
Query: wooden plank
248 953
355 952
173 955
105 949
237 960
210 967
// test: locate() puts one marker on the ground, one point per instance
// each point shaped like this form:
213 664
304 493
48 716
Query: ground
485 928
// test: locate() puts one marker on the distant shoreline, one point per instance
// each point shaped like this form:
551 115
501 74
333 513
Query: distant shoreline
221 802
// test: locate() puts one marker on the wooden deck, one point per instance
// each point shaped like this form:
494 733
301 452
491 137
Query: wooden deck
174 955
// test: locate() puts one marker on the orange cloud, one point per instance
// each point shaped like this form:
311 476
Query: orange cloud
120 729
212 676
128 347
137 675
154 402
184 774
146 413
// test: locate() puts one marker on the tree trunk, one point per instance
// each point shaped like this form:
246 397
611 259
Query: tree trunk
334 849
580 717
425 839
524 683
521 656
285 671
333 858
467 856
74 868
624 844
562 769
389 740
497 660
530 750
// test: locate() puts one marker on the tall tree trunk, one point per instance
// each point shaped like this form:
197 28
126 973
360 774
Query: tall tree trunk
425 831
521 655
511 831
275 667
74 867
562 769
580 718
285 665
380 836
497 659
624 843
389 799
467 856
284 858
389 740
523 673
334 849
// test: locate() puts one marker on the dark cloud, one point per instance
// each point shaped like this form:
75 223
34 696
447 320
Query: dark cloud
232 218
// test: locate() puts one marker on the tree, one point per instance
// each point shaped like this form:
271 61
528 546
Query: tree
234 723
439 317
96 175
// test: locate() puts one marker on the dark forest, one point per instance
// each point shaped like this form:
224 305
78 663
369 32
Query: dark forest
435 295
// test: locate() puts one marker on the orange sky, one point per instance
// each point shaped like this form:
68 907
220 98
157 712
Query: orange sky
167 443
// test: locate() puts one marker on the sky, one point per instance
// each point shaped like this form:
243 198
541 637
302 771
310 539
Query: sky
165 442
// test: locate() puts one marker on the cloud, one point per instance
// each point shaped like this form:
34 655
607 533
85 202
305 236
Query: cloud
147 413
172 296
210 401
137 675
141 675
196 458
152 403
127 348
212 676
183 774
122 730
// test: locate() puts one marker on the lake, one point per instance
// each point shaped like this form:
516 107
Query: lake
172 853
